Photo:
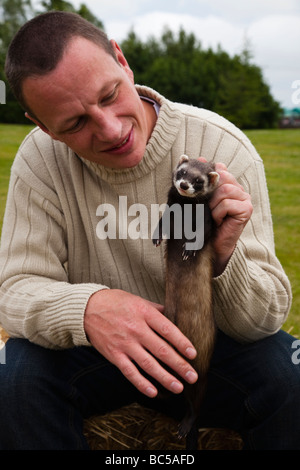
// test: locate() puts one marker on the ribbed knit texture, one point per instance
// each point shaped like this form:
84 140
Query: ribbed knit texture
52 261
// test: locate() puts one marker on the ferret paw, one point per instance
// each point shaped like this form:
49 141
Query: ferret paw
187 254
183 430
156 241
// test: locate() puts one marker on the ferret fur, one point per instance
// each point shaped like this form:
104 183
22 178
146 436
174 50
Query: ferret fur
188 299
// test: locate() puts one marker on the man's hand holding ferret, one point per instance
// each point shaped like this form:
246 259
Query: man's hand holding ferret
231 209
125 329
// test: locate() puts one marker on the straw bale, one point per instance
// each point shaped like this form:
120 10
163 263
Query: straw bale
134 427
3 335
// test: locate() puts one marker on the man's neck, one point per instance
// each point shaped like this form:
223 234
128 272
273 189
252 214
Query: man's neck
151 116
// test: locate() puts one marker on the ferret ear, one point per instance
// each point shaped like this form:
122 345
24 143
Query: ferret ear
213 178
183 158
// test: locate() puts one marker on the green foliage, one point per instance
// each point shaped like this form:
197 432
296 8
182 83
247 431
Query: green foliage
62 5
244 98
13 14
174 65
181 70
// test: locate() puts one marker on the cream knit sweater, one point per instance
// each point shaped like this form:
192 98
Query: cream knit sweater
52 260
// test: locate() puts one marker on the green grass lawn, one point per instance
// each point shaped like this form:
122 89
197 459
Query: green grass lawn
10 138
280 151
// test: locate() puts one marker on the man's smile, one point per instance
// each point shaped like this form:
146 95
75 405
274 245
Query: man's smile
123 145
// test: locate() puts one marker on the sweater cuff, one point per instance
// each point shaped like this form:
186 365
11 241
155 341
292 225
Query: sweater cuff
65 325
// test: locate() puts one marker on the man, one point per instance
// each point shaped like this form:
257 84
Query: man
86 310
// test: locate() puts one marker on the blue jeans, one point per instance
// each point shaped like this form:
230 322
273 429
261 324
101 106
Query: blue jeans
46 394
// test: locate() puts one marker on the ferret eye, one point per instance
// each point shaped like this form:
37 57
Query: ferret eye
198 182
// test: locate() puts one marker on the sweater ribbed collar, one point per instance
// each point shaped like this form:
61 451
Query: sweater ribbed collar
158 146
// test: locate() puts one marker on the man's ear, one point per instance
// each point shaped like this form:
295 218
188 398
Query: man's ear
122 59
37 122
40 125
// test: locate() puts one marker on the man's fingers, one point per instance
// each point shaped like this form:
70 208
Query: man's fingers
167 355
231 201
154 353
130 371
152 368
133 334
221 167
172 334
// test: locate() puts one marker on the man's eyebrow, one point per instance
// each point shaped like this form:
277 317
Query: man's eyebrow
66 124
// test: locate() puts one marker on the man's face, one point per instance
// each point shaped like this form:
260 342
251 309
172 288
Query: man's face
89 102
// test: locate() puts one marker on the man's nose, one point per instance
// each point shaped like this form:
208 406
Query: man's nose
106 126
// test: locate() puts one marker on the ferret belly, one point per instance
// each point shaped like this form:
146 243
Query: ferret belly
188 301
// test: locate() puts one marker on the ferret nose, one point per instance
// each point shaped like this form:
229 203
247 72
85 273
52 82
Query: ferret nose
184 185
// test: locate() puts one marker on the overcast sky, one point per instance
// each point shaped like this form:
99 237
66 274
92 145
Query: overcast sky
271 26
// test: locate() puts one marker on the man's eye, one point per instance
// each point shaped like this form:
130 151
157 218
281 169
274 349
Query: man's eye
78 125
111 97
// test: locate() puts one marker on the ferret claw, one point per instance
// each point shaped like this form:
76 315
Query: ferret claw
182 431
186 254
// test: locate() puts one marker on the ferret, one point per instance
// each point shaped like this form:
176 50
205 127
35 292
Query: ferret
188 298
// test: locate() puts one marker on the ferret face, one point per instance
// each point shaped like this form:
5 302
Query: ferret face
193 178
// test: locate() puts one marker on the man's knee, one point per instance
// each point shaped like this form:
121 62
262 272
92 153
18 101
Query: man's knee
26 368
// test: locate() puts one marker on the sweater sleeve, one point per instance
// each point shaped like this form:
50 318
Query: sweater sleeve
37 301
252 297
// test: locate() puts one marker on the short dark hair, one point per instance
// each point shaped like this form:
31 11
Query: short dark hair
40 43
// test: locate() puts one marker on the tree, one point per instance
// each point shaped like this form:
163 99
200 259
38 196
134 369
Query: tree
13 14
175 65
180 69
244 98
89 16
63 5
